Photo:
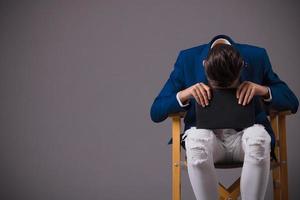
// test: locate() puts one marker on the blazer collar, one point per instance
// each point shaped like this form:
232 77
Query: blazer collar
201 74
224 37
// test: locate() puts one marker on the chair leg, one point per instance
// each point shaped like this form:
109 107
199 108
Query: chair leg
276 183
176 187
283 156
276 171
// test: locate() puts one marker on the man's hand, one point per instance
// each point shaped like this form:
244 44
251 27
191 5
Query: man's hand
200 91
247 90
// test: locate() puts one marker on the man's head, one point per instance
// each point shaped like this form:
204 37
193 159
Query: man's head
223 66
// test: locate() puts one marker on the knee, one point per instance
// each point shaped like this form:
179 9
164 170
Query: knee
199 146
256 143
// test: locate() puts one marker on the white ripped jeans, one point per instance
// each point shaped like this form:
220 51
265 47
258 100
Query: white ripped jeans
204 147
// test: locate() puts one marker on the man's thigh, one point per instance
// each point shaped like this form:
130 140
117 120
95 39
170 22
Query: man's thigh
218 150
256 131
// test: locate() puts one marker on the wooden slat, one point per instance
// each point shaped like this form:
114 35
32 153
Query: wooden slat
234 189
223 193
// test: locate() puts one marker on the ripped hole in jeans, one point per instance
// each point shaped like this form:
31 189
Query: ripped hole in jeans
257 149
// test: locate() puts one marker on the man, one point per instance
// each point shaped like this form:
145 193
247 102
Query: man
257 78
249 68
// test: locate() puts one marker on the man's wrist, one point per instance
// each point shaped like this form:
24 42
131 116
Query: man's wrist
268 95
181 103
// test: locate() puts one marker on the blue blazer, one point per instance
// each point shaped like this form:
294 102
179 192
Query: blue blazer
188 70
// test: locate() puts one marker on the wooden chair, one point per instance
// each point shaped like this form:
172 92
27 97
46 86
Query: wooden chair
279 168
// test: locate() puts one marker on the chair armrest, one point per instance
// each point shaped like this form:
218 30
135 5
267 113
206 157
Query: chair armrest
273 112
179 114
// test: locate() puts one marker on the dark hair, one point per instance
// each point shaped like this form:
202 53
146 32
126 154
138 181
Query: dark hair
223 65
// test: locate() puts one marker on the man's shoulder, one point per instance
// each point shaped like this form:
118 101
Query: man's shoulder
250 48
193 50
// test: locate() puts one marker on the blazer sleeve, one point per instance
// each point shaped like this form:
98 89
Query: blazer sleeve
166 102
282 96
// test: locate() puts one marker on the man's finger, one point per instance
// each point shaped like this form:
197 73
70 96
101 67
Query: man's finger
242 94
204 94
249 89
251 96
199 96
207 89
196 96
239 89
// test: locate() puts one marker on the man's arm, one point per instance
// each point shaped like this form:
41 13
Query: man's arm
166 102
282 96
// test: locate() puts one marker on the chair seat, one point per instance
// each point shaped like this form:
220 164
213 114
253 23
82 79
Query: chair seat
273 165
231 165
228 165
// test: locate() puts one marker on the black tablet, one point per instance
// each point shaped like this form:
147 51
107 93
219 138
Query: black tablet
224 111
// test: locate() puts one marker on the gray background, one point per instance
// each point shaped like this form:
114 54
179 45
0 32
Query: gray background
77 79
